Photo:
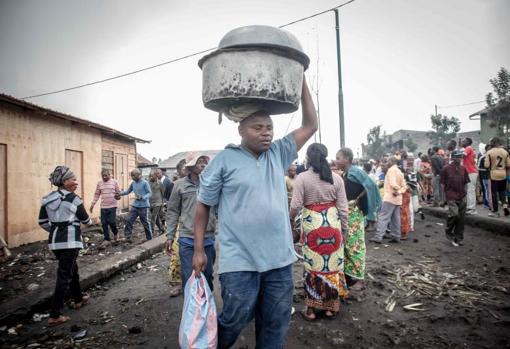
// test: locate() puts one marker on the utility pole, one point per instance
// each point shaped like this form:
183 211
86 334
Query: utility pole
340 90
436 108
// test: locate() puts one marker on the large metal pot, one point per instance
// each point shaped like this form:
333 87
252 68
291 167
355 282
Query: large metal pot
254 64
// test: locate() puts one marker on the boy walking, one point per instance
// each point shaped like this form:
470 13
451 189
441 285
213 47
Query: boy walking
140 207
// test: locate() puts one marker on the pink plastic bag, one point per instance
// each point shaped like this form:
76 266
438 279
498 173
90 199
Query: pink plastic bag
199 328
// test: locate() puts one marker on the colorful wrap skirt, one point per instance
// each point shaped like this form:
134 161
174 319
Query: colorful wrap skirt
324 280
355 248
405 214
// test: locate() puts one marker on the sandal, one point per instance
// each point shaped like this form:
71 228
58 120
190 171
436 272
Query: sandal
308 315
58 321
333 315
84 300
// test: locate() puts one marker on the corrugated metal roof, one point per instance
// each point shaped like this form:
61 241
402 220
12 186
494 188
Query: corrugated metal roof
45 111
172 161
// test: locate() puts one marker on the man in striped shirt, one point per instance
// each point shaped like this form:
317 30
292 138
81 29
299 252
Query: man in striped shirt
107 189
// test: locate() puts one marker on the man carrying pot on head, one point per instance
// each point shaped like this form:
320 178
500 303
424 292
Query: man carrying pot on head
246 183
181 212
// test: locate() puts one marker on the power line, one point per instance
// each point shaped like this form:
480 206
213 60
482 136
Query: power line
459 105
170 61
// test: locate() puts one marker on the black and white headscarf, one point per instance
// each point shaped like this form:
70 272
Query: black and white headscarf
60 175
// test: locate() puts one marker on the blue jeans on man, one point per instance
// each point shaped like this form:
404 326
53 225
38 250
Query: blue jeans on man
186 256
266 296
134 213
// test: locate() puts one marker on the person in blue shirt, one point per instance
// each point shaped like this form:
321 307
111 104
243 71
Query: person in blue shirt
140 207
246 184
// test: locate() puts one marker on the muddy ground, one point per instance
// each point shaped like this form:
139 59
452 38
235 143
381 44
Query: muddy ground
34 264
464 296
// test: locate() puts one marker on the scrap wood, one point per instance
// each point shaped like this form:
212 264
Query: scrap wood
414 307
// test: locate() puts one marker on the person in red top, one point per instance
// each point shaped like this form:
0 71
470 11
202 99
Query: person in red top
470 165
454 178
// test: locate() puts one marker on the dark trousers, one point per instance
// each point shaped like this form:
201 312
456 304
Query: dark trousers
156 218
134 213
456 219
109 220
67 279
266 296
186 257
498 191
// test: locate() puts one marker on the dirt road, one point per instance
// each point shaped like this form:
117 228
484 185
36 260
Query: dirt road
463 294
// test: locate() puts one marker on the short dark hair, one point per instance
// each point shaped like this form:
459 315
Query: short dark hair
435 149
367 166
495 141
468 140
347 153
419 154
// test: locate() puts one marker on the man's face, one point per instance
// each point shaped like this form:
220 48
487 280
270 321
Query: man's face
257 132
292 171
106 176
136 176
200 165
341 161
159 174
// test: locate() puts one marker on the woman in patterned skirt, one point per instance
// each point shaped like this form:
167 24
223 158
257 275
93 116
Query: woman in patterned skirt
364 201
321 195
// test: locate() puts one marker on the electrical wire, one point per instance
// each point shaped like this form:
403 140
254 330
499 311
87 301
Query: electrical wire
172 60
458 105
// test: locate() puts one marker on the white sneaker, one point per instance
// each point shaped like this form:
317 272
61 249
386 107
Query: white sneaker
494 214
455 244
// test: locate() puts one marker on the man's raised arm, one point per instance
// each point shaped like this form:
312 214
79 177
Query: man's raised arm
309 124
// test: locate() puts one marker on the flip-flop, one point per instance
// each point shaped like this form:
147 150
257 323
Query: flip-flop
58 321
306 316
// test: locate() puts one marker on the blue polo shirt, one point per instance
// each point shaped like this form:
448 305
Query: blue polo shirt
251 197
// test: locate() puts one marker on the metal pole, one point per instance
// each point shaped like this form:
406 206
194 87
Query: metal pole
436 109
340 90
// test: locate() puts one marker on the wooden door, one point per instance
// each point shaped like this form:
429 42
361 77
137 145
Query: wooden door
74 160
3 192
121 175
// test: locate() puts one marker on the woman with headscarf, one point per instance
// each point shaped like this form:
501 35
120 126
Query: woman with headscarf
61 213
364 201
320 193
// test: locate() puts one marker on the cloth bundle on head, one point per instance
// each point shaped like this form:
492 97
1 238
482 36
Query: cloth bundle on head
239 112
317 158
59 175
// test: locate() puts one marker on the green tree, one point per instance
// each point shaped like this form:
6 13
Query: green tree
498 104
444 128
377 144
411 145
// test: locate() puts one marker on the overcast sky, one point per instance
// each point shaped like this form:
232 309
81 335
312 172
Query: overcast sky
399 59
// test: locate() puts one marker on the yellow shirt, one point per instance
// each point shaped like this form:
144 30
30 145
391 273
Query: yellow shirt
497 160
394 182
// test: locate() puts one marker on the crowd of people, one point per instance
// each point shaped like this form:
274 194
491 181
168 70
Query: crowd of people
241 203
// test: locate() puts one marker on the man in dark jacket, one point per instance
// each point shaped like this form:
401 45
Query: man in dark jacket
454 178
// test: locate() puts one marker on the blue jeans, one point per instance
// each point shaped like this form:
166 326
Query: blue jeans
134 213
267 297
186 257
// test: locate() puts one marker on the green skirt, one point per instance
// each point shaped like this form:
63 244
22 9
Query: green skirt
354 248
